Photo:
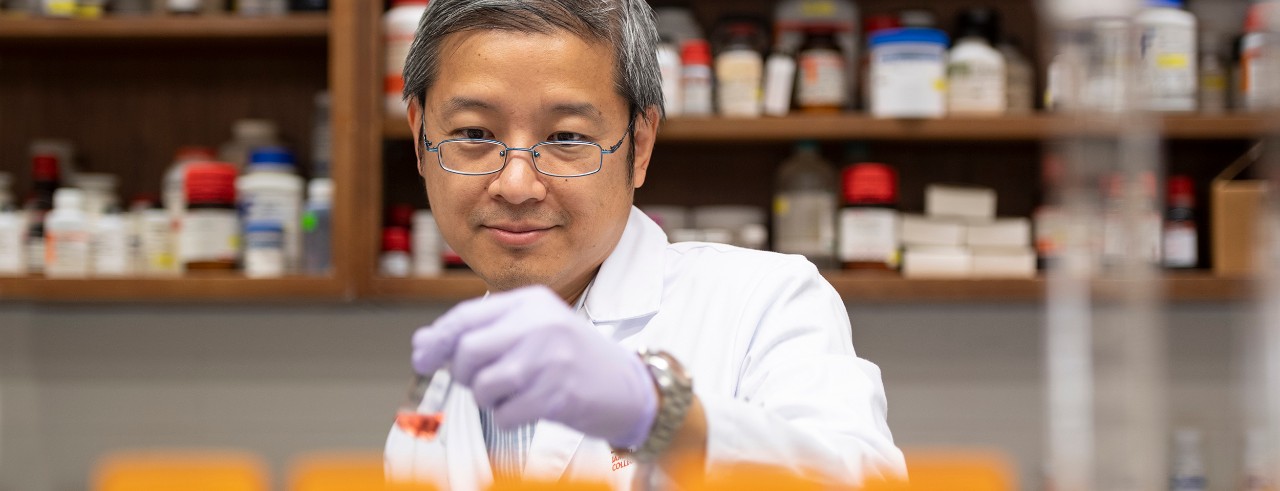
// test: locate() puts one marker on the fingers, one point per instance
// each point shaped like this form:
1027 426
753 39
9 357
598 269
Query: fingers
508 376
543 397
434 345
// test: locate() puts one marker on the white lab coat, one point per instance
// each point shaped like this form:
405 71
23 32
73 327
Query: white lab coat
766 340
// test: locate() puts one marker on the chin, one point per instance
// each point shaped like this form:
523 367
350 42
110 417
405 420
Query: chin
511 278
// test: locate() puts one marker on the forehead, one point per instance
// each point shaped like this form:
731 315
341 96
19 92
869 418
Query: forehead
506 68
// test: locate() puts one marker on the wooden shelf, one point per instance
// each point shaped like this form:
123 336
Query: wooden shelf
204 288
859 127
879 288
292 26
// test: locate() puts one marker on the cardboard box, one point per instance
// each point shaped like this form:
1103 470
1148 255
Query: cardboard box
936 262
1236 206
919 230
1004 262
968 202
1005 232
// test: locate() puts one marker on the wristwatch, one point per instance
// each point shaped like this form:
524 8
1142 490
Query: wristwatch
676 390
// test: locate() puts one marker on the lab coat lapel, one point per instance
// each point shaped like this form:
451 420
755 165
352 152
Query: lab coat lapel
551 450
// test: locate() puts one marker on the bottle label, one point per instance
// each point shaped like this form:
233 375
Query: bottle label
976 88
11 246
821 82
805 223
696 88
110 252
908 82
739 74
869 235
210 235
66 253
1180 245
1169 66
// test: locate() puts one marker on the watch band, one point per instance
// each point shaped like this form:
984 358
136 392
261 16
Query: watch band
676 389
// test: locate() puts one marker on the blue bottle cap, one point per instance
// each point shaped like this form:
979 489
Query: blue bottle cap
1174 4
271 156
909 35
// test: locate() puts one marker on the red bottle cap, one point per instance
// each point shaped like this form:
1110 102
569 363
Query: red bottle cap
870 184
879 22
395 239
211 183
1182 191
400 215
1256 19
695 52
44 168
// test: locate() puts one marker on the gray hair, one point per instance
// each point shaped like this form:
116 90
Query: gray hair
626 25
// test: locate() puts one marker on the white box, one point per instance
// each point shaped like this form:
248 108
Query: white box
970 203
936 262
918 230
1005 232
1004 262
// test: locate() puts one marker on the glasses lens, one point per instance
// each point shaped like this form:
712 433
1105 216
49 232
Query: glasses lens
470 157
568 159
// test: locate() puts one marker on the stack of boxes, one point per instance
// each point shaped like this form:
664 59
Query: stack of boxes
959 236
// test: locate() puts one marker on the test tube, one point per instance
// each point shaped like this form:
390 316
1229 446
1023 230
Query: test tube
422 413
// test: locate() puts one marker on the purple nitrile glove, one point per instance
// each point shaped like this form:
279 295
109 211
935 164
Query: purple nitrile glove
528 356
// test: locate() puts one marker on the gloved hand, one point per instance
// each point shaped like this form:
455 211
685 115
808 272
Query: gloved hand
528 356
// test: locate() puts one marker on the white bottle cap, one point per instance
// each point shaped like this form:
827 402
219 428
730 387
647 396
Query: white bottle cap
320 190
68 199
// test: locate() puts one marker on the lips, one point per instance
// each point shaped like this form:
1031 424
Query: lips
517 234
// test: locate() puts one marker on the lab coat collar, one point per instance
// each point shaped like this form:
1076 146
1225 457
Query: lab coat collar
629 284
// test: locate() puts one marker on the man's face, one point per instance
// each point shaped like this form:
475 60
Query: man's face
520 227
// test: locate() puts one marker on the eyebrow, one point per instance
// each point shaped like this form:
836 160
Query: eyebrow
585 109
459 104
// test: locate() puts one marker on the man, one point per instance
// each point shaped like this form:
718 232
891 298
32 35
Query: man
535 122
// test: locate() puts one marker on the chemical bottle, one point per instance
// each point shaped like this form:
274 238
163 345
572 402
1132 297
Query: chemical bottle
109 246
210 235
1214 77
321 136
59 8
399 25
1257 63
669 65
1188 462
246 136
130 7
696 79
871 24
159 242
794 18
821 86
271 191
977 77
1020 78
99 193
67 236
253 8
426 245
869 219
317 231
264 250
185 6
395 261
779 83
174 194
45 181
13 230
739 73
1181 243
804 207
1168 56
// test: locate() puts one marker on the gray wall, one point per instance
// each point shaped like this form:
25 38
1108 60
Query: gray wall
77 381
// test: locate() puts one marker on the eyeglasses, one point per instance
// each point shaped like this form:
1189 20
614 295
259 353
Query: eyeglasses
479 157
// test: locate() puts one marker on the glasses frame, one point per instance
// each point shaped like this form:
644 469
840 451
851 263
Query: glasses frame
506 152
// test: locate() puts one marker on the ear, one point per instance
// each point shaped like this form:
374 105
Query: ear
646 135
414 118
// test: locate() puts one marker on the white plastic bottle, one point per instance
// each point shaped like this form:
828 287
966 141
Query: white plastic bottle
669 65
159 244
1169 73
13 228
251 8
398 28
696 79
977 77
779 83
272 191
67 236
109 249
739 76
427 261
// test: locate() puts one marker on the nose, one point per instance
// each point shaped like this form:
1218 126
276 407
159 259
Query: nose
519 181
